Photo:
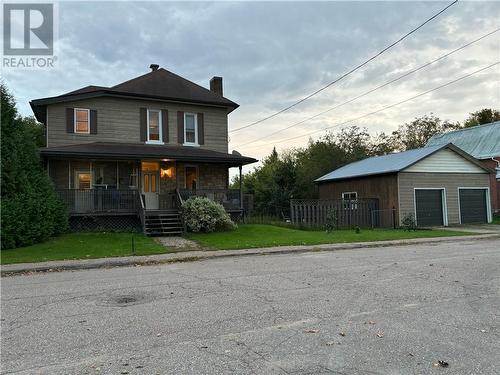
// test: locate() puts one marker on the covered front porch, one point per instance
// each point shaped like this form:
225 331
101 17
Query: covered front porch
126 186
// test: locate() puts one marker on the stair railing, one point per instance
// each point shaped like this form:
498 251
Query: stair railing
179 202
141 210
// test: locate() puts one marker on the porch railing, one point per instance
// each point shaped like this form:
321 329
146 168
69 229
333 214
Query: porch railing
229 198
82 201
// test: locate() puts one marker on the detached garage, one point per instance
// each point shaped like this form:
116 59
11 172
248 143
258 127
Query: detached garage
438 185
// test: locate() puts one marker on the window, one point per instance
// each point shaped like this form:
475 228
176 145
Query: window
154 126
82 121
350 200
350 196
190 129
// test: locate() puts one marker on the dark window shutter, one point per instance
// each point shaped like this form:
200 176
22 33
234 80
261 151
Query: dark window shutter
93 121
70 120
164 125
143 124
201 129
180 127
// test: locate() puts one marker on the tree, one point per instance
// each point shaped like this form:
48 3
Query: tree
30 210
483 116
417 133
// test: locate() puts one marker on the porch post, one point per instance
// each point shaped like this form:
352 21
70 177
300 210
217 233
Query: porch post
241 190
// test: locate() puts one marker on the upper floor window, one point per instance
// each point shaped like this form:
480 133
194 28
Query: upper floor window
82 121
190 129
154 126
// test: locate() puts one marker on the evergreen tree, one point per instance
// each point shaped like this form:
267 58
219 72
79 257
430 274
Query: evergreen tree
30 209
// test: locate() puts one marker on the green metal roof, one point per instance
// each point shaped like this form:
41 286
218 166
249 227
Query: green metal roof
482 141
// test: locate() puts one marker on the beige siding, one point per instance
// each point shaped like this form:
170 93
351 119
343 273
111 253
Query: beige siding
450 181
445 161
118 121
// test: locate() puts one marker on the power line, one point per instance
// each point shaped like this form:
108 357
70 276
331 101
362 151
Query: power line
374 89
384 108
349 72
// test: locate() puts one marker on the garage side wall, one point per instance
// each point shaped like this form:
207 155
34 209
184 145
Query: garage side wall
450 181
382 187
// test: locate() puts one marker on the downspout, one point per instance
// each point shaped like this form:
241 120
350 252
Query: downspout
241 189
497 167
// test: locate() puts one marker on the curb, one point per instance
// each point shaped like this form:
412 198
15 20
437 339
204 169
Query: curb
197 255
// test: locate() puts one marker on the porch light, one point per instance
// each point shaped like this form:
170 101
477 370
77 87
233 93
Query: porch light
168 172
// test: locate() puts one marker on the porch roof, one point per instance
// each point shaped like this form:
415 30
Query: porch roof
103 150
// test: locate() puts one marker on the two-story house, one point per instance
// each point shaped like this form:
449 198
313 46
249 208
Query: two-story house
138 149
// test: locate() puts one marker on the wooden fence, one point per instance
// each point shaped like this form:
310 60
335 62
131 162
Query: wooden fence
314 212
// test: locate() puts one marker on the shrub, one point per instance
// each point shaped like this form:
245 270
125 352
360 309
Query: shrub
30 209
408 223
204 215
357 229
331 220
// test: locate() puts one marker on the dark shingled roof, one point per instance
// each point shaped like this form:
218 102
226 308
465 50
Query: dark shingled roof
141 151
158 84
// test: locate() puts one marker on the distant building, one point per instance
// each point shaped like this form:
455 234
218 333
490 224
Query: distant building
483 143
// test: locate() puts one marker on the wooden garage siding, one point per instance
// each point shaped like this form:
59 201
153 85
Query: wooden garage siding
118 121
450 181
382 187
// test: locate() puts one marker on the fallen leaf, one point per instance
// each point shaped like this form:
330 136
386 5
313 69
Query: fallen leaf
483 330
380 334
441 364
370 322
342 334
330 343
311 331
158 334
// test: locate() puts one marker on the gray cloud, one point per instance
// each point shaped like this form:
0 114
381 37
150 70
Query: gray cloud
271 54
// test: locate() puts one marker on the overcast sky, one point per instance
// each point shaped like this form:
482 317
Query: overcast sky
272 54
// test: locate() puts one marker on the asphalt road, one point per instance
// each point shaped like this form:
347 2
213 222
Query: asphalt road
393 310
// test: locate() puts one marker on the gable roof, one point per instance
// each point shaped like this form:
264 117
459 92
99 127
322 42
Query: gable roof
391 163
158 84
482 141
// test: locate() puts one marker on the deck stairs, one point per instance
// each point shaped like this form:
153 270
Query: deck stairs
162 222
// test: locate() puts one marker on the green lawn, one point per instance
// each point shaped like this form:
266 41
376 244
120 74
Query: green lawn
83 246
261 235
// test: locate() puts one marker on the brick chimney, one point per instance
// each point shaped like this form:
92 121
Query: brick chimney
216 85
154 67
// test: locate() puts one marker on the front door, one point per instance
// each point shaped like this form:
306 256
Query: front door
84 197
150 185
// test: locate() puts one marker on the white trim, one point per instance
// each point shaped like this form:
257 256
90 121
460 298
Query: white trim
399 199
160 128
195 143
74 120
444 202
489 214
